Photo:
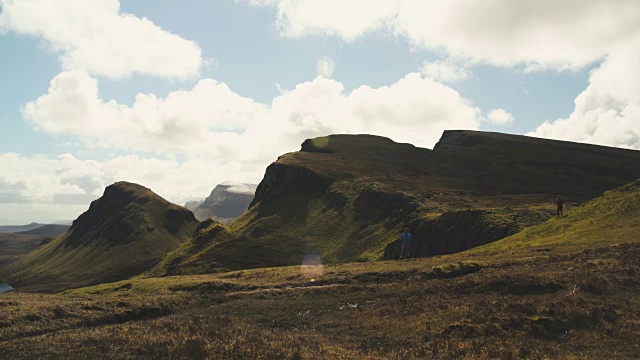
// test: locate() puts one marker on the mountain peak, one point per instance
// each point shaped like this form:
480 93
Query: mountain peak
122 234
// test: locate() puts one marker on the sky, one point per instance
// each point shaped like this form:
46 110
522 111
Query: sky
179 96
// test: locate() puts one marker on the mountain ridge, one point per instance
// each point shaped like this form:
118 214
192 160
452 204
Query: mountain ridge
346 197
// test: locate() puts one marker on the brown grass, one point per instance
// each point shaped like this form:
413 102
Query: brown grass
583 305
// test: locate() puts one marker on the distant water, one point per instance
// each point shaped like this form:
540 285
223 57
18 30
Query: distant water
5 288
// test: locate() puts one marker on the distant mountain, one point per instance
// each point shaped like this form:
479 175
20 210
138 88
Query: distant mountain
63 222
226 202
123 233
19 228
47 230
347 198
192 205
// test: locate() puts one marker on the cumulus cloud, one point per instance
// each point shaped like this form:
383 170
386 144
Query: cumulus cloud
346 19
43 188
499 117
608 111
325 67
541 34
445 71
212 119
95 35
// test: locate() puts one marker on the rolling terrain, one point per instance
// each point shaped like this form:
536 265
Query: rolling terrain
564 289
4 229
47 230
14 246
345 198
125 232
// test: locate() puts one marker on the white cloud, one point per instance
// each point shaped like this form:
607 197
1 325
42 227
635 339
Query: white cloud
325 67
541 34
608 111
346 19
42 188
214 120
499 117
95 35
209 113
445 71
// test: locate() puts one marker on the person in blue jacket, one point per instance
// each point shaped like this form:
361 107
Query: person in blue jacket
405 247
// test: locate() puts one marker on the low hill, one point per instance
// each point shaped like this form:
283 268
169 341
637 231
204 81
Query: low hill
4 229
47 230
226 202
125 232
346 198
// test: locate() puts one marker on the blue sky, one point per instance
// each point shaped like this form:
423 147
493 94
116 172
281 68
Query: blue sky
179 96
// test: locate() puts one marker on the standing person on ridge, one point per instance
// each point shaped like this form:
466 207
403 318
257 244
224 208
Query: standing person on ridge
405 243
560 204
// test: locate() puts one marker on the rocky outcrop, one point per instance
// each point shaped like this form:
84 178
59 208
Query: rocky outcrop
457 231
226 202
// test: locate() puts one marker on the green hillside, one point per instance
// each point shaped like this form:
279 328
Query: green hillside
125 232
611 219
346 197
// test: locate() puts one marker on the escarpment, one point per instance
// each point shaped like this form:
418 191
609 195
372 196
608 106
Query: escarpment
347 197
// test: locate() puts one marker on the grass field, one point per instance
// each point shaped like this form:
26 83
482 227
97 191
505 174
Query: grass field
583 304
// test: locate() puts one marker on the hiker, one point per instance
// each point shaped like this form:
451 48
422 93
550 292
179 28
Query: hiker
405 247
560 204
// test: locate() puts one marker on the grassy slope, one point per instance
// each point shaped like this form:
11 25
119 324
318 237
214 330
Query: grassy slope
347 197
577 299
124 233
610 219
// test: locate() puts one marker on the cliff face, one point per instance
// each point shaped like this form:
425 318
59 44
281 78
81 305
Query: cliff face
347 197
226 202
461 230
286 189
